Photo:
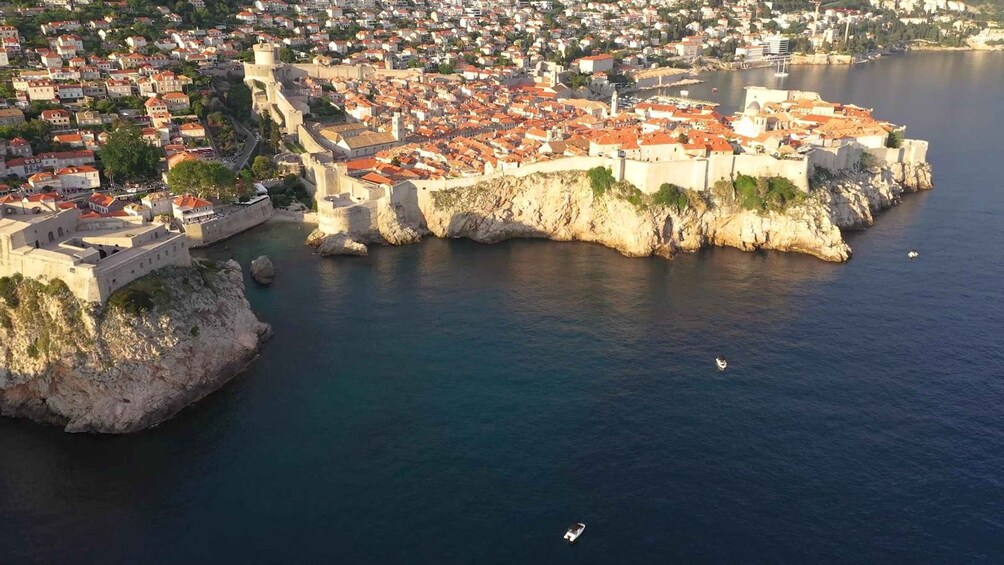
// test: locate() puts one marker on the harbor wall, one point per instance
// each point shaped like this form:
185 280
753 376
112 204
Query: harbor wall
243 217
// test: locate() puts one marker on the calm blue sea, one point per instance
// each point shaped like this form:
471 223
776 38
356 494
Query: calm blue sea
451 402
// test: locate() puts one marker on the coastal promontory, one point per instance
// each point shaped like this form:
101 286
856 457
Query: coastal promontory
748 213
159 344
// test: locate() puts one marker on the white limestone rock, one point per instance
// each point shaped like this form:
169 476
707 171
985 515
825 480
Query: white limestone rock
262 270
123 367
335 244
562 206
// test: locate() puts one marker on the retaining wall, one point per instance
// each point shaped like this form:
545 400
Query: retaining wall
246 216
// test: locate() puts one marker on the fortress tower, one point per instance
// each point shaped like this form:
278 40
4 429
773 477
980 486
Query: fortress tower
613 103
264 54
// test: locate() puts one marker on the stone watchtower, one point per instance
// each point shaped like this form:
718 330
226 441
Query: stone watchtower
264 54
397 126
613 103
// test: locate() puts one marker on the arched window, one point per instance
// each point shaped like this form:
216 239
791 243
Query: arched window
51 237
36 244
60 232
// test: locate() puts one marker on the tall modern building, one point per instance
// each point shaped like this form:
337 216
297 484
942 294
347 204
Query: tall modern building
777 45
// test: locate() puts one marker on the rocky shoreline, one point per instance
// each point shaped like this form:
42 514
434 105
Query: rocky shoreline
563 207
160 344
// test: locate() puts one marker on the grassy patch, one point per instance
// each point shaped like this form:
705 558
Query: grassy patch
142 295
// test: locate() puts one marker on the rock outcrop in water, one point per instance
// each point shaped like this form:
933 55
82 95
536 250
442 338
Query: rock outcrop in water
336 244
262 270
160 344
563 207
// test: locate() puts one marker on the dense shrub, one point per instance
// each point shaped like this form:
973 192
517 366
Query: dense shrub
291 190
780 193
724 192
671 196
632 194
8 290
894 140
747 193
600 179
57 287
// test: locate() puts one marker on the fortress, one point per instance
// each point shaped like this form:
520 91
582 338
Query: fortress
45 239
766 133
274 91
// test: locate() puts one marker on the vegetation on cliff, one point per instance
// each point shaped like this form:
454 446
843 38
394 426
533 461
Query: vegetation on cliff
48 313
600 179
161 289
765 194
895 139
761 194
159 344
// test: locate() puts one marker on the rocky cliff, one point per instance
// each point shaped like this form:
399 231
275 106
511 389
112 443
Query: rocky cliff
565 207
160 344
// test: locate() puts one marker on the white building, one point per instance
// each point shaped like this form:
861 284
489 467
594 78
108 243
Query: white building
777 45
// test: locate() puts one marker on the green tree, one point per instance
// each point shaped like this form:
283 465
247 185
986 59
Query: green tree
263 167
37 132
127 157
203 179
894 139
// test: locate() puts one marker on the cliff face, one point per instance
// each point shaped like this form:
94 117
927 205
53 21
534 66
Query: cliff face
161 343
563 207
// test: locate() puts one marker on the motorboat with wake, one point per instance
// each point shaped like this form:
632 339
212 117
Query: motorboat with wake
913 254
721 362
574 531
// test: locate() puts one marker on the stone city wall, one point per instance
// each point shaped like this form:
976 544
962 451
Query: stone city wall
836 158
912 151
357 218
244 217
413 198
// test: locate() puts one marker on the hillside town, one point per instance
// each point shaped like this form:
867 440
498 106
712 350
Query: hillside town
201 117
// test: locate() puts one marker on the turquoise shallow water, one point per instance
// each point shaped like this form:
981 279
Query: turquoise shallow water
451 402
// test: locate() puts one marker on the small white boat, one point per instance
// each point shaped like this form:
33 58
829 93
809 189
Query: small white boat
721 362
913 254
782 69
574 531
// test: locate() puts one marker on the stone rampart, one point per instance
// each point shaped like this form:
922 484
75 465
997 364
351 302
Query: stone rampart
913 151
242 217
